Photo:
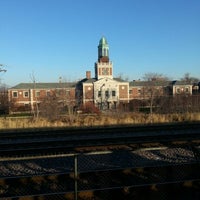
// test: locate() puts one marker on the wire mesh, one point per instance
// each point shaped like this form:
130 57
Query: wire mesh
119 174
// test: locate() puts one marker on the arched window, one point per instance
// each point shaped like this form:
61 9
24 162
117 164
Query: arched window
100 52
104 52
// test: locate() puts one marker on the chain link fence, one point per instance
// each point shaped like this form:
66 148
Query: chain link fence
153 173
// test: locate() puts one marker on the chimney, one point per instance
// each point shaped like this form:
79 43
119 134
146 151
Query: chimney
88 74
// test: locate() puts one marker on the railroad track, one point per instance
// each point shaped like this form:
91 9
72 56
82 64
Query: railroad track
28 141
173 160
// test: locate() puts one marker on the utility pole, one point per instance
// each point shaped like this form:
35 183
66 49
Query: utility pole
3 93
2 70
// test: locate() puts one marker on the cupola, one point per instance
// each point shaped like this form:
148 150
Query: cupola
103 50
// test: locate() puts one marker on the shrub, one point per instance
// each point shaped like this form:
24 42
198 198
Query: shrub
89 107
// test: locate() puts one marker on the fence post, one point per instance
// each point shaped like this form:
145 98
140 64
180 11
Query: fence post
75 177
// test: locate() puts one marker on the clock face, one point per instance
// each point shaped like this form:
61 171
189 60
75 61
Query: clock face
105 71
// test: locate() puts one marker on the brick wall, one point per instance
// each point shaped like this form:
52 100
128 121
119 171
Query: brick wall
123 91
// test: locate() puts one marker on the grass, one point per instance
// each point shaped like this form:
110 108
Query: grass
96 120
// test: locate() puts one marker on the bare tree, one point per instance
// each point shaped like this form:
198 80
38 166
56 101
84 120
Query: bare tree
34 106
49 106
122 77
189 79
66 98
153 89
4 104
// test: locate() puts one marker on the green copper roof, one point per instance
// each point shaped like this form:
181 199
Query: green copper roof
103 41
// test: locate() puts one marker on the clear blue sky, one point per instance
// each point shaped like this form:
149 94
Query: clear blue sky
59 38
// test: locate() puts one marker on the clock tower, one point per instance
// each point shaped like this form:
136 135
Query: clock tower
103 67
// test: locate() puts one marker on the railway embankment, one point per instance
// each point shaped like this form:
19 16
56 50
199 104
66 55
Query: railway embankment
89 120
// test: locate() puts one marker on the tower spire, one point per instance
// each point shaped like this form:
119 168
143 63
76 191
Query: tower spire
103 50
103 67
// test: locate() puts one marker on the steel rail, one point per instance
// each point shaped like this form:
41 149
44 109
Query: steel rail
38 140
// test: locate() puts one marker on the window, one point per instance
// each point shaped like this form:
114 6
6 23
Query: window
37 93
105 52
105 71
178 90
26 105
187 90
26 94
99 93
59 92
68 92
113 93
106 93
100 53
15 94
48 93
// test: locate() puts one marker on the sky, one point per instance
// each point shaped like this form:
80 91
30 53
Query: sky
48 39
